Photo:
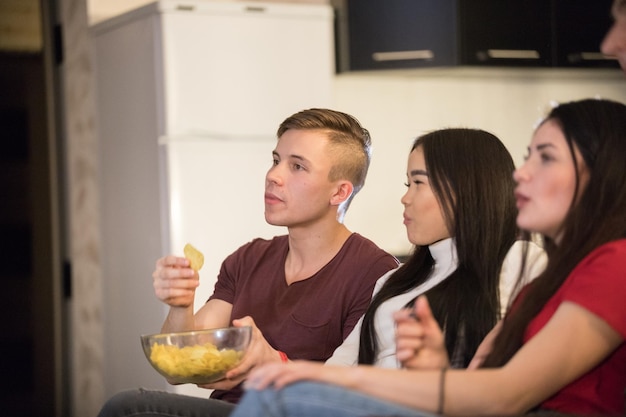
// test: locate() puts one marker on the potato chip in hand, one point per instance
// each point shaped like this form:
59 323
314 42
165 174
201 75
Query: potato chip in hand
196 258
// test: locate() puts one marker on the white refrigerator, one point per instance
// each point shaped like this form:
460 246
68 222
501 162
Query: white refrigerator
190 94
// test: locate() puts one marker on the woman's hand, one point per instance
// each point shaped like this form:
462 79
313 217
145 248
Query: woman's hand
278 375
419 340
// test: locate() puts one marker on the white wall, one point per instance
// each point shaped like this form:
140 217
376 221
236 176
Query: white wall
398 106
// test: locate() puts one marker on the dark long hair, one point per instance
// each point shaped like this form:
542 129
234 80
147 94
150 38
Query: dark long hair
597 128
470 172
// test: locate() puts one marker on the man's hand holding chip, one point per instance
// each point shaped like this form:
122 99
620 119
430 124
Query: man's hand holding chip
176 278
174 281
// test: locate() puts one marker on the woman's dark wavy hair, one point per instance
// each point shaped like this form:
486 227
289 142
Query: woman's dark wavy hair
470 172
597 129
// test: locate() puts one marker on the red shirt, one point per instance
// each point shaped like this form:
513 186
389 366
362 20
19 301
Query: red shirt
307 319
598 284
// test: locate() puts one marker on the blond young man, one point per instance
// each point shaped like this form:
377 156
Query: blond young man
303 292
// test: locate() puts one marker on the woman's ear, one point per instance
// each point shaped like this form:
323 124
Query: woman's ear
342 193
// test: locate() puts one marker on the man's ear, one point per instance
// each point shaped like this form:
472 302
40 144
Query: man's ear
342 193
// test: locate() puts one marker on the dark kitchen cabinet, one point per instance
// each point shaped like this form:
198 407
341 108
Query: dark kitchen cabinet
397 34
579 27
504 32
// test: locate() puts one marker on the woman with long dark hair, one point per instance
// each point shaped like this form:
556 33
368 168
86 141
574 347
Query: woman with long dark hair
561 347
459 212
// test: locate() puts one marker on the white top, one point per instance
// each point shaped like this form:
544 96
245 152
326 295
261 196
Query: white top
446 261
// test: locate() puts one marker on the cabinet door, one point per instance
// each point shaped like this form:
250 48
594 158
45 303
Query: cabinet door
400 33
239 69
580 26
505 32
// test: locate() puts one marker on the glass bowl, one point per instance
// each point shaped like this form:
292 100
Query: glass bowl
196 357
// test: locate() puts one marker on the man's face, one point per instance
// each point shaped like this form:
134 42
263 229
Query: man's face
297 189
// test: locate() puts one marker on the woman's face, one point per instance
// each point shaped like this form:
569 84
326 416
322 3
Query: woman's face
423 216
546 182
